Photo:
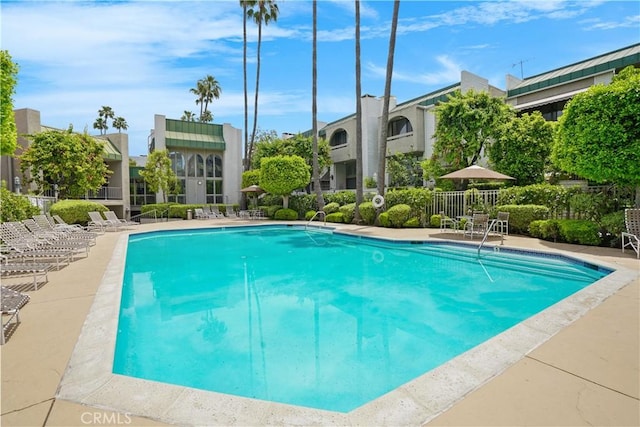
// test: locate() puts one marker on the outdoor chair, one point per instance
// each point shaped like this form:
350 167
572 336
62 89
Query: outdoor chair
111 216
212 211
11 302
62 224
476 225
16 234
97 221
42 222
631 237
502 222
231 213
13 270
446 221
199 214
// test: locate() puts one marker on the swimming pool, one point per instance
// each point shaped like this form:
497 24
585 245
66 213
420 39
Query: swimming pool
89 380
318 319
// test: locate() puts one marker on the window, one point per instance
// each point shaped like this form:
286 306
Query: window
214 179
339 137
195 166
177 163
399 126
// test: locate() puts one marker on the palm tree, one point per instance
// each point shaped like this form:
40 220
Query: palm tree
100 124
207 89
359 195
265 12
245 4
188 116
120 123
314 110
387 95
106 113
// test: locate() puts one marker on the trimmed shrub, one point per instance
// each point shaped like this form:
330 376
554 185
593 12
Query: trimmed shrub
367 212
520 216
341 197
555 197
349 212
15 207
412 223
612 225
270 211
399 214
76 211
335 217
332 207
180 211
546 229
303 203
286 215
434 221
579 231
309 214
384 219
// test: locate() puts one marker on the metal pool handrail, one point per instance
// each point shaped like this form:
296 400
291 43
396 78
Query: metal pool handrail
324 216
486 234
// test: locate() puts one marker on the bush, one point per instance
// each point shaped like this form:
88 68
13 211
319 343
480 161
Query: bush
76 211
520 216
270 211
335 217
309 214
555 197
332 207
180 211
612 225
286 215
417 198
546 229
412 223
303 203
399 214
341 197
15 207
579 231
367 212
384 219
434 221
349 212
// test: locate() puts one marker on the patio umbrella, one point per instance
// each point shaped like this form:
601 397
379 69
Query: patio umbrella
476 172
252 189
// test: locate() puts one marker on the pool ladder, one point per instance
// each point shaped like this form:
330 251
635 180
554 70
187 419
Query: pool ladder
486 234
324 217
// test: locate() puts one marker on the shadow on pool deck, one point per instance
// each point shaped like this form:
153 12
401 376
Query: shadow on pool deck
587 374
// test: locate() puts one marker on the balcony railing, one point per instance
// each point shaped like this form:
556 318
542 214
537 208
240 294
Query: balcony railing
105 193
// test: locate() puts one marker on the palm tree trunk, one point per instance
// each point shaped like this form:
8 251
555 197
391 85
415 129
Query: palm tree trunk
255 105
247 166
387 94
359 195
314 111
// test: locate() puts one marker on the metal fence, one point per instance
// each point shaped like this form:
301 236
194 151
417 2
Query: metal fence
458 203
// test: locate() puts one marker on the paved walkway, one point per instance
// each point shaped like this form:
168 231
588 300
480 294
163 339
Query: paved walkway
587 374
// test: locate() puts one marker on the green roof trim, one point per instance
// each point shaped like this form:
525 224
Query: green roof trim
134 171
614 64
195 135
111 152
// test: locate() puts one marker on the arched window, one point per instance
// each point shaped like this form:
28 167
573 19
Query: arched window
218 167
399 126
195 166
210 166
177 162
339 137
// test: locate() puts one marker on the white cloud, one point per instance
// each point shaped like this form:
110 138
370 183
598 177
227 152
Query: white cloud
448 72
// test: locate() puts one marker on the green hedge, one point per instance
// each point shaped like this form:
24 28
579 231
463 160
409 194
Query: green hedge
76 211
398 215
15 207
286 215
367 212
349 212
335 217
578 231
332 207
520 216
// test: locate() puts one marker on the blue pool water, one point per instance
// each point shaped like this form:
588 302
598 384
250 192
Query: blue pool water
317 319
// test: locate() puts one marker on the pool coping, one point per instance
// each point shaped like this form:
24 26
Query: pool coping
88 378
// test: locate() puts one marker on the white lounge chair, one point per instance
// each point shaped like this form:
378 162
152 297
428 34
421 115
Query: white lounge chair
111 216
631 237
97 221
11 302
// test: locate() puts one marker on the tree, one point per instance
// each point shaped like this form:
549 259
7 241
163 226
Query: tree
314 110
298 146
359 172
159 175
404 171
598 135
262 12
387 94
207 89
245 4
467 124
105 113
71 162
281 175
120 123
523 147
188 116
8 81
100 125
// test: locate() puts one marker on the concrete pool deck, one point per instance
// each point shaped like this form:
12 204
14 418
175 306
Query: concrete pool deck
585 374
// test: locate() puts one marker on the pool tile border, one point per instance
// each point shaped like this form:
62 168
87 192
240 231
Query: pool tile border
88 378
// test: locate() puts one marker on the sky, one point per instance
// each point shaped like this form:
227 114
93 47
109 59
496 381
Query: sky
141 58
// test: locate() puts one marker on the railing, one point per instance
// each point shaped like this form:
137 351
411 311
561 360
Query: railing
105 193
459 203
152 215
324 216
